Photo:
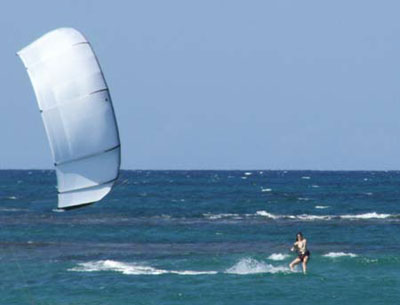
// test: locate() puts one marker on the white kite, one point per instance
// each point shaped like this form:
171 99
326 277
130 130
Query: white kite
77 113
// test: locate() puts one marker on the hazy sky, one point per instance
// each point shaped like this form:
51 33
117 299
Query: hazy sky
223 84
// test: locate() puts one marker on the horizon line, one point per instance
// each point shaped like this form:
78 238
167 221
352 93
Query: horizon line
217 169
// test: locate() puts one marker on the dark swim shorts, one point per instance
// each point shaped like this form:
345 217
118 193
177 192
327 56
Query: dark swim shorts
302 256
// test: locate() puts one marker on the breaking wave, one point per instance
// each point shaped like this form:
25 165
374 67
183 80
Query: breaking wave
306 217
296 217
368 216
263 214
222 215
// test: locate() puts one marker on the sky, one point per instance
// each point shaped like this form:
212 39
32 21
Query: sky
217 84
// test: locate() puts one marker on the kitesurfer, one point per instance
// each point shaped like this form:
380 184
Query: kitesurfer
300 246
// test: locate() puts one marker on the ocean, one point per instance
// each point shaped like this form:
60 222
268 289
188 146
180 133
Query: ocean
203 237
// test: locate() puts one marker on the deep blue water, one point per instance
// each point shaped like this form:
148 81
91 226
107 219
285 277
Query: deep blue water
203 237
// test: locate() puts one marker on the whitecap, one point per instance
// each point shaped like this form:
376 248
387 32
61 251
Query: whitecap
248 173
251 266
221 215
366 216
322 206
370 260
278 256
12 210
339 254
12 197
58 210
313 217
266 214
306 177
130 268
303 217
315 186
266 190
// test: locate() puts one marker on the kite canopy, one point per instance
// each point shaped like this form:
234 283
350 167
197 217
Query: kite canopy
77 113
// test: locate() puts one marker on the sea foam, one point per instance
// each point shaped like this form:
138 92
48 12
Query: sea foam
303 217
266 214
251 266
131 268
244 266
321 206
367 216
5 209
278 256
339 254
310 217
220 216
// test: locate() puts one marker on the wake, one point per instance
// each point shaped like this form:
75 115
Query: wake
242 267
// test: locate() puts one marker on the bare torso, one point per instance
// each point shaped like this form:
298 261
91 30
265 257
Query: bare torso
300 246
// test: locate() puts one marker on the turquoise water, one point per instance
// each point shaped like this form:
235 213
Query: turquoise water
203 237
